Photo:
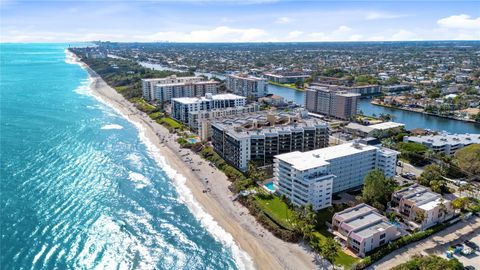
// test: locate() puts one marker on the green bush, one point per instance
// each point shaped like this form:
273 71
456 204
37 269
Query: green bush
267 222
382 251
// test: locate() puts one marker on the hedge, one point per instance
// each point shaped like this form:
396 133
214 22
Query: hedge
382 251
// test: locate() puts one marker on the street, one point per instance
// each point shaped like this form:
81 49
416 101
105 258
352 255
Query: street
436 244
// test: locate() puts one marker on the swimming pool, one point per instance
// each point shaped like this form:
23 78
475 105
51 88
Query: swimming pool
269 186
193 140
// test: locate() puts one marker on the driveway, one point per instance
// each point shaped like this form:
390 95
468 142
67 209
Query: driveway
436 244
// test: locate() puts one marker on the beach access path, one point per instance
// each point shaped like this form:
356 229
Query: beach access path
266 250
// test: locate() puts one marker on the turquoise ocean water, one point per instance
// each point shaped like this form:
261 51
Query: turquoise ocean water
80 186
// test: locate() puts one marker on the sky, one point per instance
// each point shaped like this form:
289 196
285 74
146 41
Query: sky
237 21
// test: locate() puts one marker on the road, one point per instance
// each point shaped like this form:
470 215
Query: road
436 244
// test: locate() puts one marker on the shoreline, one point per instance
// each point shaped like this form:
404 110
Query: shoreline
422 112
247 236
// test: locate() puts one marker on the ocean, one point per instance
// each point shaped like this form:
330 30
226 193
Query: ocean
81 186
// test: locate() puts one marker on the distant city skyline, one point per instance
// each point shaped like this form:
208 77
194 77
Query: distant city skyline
228 21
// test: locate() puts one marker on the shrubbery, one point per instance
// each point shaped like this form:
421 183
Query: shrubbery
267 222
413 152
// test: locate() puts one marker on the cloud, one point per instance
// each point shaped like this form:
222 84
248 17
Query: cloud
403 35
342 29
461 21
342 33
218 34
294 34
283 20
380 15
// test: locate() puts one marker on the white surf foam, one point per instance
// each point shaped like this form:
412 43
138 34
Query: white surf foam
112 126
84 88
242 259
70 58
139 179
135 160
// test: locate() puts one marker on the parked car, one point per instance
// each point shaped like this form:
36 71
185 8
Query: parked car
472 245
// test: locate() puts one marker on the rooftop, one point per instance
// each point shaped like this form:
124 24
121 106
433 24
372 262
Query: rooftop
431 204
361 221
192 100
446 138
421 196
351 212
264 122
245 77
171 77
373 228
381 126
186 83
319 157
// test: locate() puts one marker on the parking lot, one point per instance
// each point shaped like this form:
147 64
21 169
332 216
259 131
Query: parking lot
437 244
474 258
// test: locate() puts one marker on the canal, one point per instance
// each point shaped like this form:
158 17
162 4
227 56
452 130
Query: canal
410 119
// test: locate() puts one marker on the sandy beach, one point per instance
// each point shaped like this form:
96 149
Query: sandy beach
266 251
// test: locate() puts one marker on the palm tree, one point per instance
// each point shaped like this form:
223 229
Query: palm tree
420 216
442 209
329 250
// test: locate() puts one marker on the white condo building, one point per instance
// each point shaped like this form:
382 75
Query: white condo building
313 176
181 107
445 142
164 89
248 86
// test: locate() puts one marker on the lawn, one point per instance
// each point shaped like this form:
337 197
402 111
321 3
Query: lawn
144 106
169 121
276 209
155 115
279 211
342 259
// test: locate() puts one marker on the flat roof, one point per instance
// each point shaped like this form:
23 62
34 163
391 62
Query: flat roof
319 157
373 229
370 128
364 220
257 123
423 196
172 77
446 139
430 205
387 125
190 100
351 212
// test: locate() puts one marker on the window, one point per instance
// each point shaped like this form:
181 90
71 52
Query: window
382 236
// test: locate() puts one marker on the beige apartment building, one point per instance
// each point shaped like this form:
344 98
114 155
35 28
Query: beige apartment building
362 228
420 207
333 103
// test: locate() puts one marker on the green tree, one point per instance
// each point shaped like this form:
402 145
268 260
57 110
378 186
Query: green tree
329 250
468 160
477 117
306 221
377 189
413 152
432 177
419 216
460 203
430 262
299 84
